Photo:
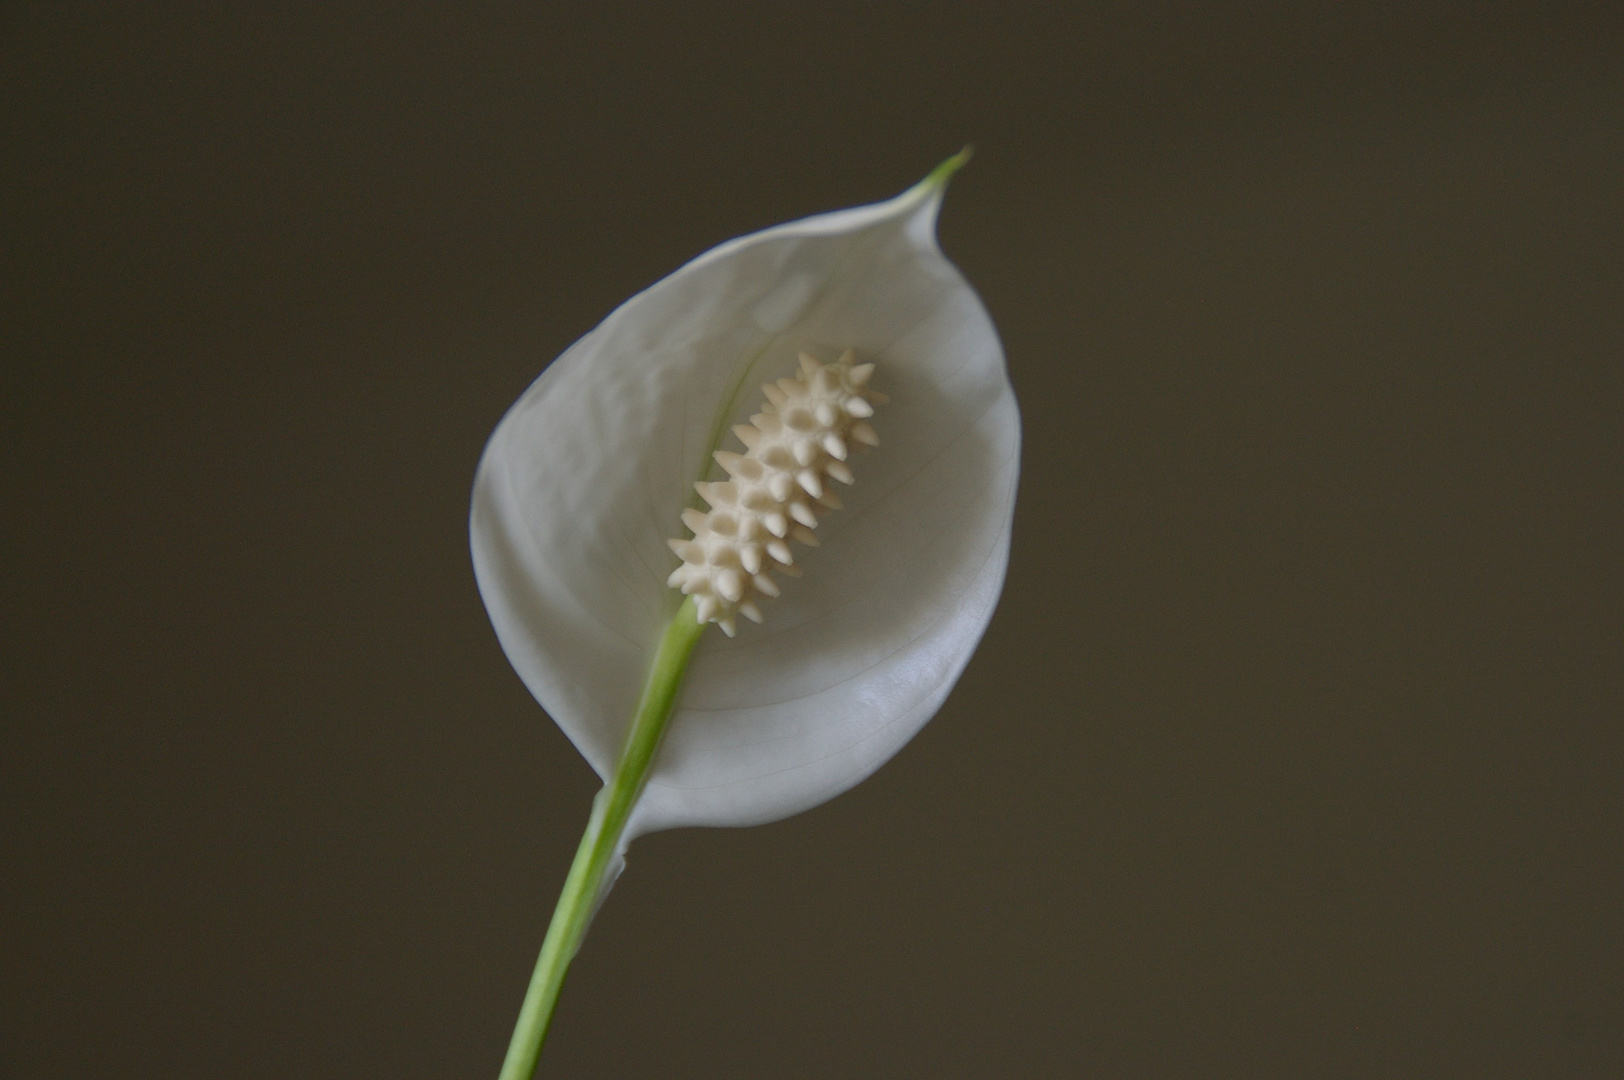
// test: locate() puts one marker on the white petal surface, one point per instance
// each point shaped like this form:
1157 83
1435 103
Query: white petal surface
585 477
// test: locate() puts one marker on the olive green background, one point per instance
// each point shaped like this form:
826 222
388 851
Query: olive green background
1295 749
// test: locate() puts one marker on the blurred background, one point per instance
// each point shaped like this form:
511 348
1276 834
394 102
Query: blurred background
1294 749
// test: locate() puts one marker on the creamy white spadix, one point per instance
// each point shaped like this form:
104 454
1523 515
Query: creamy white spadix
587 476
774 489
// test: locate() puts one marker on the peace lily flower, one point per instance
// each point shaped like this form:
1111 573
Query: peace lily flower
654 426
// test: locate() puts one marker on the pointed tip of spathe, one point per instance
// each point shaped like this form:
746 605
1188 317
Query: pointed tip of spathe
941 174
921 203
935 182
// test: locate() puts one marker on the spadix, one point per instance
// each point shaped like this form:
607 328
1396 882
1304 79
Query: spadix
796 436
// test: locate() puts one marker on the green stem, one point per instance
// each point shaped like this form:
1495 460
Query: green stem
610 811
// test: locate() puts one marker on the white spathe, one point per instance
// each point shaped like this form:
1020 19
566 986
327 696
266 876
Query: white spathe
586 477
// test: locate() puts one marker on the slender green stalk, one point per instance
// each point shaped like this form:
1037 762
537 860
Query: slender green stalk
610 811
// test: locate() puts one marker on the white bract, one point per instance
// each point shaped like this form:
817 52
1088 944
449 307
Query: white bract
587 477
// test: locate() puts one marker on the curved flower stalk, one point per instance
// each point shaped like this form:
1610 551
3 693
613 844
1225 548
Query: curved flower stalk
582 487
